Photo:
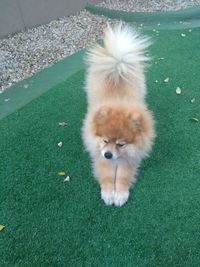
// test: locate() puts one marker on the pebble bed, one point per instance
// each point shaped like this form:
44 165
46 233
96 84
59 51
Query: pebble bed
148 5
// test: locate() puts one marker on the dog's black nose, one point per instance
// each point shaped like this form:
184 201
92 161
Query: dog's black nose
108 155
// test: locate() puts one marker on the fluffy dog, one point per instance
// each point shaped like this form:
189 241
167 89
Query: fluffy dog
118 129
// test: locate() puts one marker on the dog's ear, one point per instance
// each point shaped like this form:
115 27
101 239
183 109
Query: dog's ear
102 113
99 120
136 119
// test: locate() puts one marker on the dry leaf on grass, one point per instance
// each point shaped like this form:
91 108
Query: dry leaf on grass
193 100
1 227
62 123
178 91
194 119
60 144
61 173
183 34
166 80
67 179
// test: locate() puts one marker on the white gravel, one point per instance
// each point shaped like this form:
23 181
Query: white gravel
25 53
148 5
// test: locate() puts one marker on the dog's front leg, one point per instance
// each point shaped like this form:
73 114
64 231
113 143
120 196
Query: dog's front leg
124 179
106 174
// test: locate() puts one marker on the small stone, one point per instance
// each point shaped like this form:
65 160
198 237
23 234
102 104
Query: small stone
166 80
193 100
183 34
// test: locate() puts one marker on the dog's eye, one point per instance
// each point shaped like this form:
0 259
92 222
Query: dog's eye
105 141
120 144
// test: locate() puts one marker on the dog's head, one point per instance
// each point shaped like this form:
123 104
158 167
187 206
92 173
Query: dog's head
123 132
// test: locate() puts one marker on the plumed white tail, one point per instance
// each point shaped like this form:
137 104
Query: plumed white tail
123 55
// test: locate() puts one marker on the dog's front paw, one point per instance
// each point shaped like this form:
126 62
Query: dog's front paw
108 197
120 198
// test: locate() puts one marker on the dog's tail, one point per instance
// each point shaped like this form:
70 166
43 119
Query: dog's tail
123 55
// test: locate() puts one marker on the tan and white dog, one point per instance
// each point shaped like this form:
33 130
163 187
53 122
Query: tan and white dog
118 129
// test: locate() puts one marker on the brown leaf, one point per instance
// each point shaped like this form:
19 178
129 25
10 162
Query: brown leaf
61 173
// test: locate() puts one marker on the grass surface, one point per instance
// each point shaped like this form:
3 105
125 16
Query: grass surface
49 222
25 91
182 18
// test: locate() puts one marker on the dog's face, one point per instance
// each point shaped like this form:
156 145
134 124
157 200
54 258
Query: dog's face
121 132
115 149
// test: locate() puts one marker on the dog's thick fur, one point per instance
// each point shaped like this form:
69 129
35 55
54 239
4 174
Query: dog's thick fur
118 130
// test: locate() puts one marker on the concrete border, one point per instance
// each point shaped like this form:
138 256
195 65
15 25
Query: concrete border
25 91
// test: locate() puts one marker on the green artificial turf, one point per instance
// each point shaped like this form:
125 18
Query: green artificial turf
166 20
25 91
49 222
